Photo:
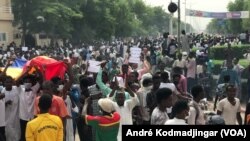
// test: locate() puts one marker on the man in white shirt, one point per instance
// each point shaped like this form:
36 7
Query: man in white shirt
27 94
180 112
191 71
146 86
122 106
184 42
11 95
167 84
230 107
164 101
196 116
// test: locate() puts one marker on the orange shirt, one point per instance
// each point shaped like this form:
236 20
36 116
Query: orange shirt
58 107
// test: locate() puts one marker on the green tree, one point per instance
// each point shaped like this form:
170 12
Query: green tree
55 18
246 22
58 20
85 20
126 21
231 25
235 25
25 14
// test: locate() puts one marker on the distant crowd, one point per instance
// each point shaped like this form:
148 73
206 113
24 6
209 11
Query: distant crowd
141 82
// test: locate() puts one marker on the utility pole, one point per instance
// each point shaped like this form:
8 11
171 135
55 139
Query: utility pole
171 24
185 16
179 22
172 7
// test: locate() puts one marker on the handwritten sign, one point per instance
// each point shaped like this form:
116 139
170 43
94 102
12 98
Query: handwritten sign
135 53
134 60
94 66
24 48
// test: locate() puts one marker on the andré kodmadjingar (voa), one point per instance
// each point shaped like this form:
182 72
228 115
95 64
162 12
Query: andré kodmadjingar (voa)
160 132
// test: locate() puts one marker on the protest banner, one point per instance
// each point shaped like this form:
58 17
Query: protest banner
135 53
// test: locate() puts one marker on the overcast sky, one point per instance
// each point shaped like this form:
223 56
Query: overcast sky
204 5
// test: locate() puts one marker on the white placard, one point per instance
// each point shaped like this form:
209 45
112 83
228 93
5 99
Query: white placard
135 54
135 49
134 60
24 48
94 66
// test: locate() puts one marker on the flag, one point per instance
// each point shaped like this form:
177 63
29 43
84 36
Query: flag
19 63
14 72
49 66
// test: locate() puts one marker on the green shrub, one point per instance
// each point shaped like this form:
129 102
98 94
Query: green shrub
218 63
218 52
243 62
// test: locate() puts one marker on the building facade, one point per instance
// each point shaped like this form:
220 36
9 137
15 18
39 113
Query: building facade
6 19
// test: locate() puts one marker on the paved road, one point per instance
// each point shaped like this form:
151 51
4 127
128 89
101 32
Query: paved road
77 137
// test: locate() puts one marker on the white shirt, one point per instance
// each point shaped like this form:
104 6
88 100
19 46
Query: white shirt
229 111
172 87
199 69
69 122
158 117
176 121
2 115
12 127
27 100
191 68
142 96
178 63
193 119
125 112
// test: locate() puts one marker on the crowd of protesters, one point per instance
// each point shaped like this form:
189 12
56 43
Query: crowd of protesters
166 87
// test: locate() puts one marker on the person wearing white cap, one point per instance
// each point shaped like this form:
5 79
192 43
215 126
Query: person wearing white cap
106 125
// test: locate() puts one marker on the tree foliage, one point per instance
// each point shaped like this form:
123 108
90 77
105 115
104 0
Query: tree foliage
232 26
85 20
246 22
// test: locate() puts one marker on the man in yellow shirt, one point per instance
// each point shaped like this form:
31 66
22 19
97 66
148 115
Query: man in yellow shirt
45 127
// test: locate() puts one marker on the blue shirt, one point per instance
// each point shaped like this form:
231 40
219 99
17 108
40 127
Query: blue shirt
234 79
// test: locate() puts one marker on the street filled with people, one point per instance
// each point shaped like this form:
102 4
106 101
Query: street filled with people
90 90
